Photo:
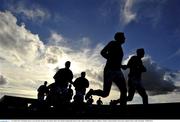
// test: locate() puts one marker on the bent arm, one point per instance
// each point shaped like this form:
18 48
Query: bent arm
104 51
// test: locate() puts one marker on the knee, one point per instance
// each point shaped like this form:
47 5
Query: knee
145 96
124 91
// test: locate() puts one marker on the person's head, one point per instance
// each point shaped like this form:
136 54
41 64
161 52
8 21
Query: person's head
140 52
45 83
67 64
119 36
83 74
99 98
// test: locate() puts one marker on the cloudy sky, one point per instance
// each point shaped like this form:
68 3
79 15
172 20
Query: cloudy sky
37 37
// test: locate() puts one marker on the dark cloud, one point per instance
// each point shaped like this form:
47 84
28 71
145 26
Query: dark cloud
155 80
2 80
2 59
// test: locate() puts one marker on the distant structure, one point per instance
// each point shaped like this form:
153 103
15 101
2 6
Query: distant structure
42 91
80 85
99 102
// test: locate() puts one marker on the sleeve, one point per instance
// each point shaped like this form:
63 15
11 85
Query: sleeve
75 83
87 84
39 89
56 75
130 62
104 51
71 77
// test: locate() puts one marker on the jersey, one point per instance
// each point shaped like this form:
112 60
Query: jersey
136 67
63 77
43 90
81 84
113 53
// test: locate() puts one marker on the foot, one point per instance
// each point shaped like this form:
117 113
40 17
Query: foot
89 94
118 101
115 102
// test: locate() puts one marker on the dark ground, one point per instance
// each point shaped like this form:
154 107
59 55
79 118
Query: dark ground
16 108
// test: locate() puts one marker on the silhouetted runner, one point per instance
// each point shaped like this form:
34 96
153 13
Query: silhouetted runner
112 72
134 78
63 77
99 102
90 100
80 85
42 91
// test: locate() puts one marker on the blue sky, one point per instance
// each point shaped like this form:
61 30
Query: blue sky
77 27
154 27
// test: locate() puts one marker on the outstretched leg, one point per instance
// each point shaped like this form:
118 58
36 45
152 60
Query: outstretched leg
119 80
131 92
108 76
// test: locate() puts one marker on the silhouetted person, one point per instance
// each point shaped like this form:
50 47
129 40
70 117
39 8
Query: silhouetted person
112 72
42 91
52 98
80 85
90 100
134 78
99 101
63 77
69 94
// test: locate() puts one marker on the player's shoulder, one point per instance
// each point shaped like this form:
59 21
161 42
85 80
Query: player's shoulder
133 57
110 43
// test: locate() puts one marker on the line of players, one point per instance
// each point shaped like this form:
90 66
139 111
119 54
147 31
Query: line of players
60 92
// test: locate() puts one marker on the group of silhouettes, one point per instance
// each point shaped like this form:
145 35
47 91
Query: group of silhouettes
61 92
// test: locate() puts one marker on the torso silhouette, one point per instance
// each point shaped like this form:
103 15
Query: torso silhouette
113 53
52 88
99 102
136 67
43 90
81 84
63 76
90 101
